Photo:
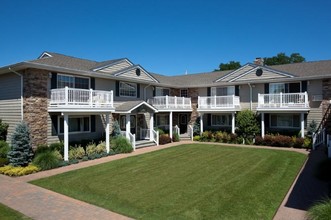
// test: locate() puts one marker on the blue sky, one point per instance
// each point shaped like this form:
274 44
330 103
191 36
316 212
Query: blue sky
166 37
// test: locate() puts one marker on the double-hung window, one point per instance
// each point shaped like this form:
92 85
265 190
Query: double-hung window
77 124
220 120
127 89
223 91
285 120
159 91
72 82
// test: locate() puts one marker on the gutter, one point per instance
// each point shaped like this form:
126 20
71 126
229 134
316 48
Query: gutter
21 76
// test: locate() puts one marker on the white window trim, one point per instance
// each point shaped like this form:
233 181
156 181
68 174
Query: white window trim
214 125
61 74
75 132
119 89
288 127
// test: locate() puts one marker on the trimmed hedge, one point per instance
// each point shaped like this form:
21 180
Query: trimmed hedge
164 139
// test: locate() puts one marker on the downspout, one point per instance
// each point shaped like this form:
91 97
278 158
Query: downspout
145 91
250 96
20 75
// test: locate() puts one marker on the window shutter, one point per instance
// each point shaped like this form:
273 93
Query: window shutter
209 119
304 86
117 93
236 90
54 125
92 123
154 91
54 81
208 91
138 90
92 83
266 88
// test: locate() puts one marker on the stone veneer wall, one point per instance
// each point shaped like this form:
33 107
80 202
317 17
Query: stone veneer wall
326 90
35 104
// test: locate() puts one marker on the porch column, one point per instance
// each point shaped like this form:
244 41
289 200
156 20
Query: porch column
201 123
302 117
262 124
151 127
107 132
66 137
233 123
170 125
127 126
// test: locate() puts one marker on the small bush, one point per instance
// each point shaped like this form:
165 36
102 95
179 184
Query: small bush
46 160
282 141
58 154
18 171
175 137
259 140
76 153
3 130
207 136
4 149
269 140
91 149
121 144
101 148
160 131
42 148
299 143
57 146
321 210
3 162
218 136
307 143
164 139
196 138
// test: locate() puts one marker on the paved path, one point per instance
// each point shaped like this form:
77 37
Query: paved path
39 203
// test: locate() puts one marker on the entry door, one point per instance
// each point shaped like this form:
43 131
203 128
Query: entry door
133 123
183 123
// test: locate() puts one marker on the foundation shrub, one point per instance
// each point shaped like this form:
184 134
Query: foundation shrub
121 144
259 140
91 149
42 148
282 141
269 140
57 146
101 148
196 138
18 171
175 137
207 136
76 153
307 143
164 139
4 149
3 130
46 160
298 143
218 136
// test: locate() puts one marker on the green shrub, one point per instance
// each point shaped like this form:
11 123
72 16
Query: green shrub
282 141
247 123
196 127
91 149
299 143
21 152
121 144
42 148
164 139
196 138
207 136
307 143
57 146
160 131
46 160
116 129
58 154
3 161
175 137
101 148
321 210
218 136
76 153
18 171
3 130
4 149
259 140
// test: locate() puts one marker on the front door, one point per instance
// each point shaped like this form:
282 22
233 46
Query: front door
132 123
183 123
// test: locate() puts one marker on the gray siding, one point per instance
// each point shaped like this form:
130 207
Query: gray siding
132 75
316 110
10 101
251 77
116 67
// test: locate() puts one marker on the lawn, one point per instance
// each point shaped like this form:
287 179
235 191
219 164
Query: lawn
186 182
7 213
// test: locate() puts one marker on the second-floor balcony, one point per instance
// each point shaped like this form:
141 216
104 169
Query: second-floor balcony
283 101
80 99
219 103
170 103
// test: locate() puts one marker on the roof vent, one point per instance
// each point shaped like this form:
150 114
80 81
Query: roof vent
138 72
259 72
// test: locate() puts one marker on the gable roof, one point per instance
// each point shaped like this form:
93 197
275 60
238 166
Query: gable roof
130 72
129 106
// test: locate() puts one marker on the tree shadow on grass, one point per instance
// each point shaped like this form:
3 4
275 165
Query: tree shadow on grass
308 189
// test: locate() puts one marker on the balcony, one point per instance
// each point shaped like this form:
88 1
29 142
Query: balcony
219 103
283 102
80 100
171 103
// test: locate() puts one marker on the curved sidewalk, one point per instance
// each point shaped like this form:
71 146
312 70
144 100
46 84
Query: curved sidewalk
39 203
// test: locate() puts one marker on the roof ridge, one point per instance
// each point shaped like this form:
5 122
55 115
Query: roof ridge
60 54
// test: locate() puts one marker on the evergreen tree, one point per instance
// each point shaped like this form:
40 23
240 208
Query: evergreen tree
3 130
21 153
116 129
247 124
196 126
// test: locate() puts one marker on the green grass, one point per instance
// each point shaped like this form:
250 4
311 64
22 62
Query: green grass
186 182
7 213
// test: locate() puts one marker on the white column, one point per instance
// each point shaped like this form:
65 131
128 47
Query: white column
201 123
302 125
66 137
233 123
107 133
170 125
151 127
262 125
127 126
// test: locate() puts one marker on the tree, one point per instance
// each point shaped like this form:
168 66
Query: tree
232 65
3 130
282 58
116 129
247 124
21 153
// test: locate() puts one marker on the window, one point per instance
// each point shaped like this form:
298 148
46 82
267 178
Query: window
162 119
222 91
123 122
284 87
220 120
285 121
183 93
159 91
276 88
77 124
128 89
72 82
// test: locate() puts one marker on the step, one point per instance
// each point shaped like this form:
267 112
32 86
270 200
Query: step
144 143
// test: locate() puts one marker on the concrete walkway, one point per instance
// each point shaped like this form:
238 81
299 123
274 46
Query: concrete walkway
39 203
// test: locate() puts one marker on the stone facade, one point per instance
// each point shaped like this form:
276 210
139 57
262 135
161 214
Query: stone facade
35 104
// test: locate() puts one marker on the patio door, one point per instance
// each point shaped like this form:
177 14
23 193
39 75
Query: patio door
183 123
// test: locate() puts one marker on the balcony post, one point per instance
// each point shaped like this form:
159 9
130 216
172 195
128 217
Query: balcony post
281 99
66 136
66 95
262 125
306 99
151 127
175 101
107 133
167 101
201 123
233 123
183 100
215 101
127 126
91 97
302 117
170 125
111 99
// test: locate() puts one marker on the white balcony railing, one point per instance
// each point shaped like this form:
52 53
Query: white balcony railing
77 98
283 100
170 102
218 102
